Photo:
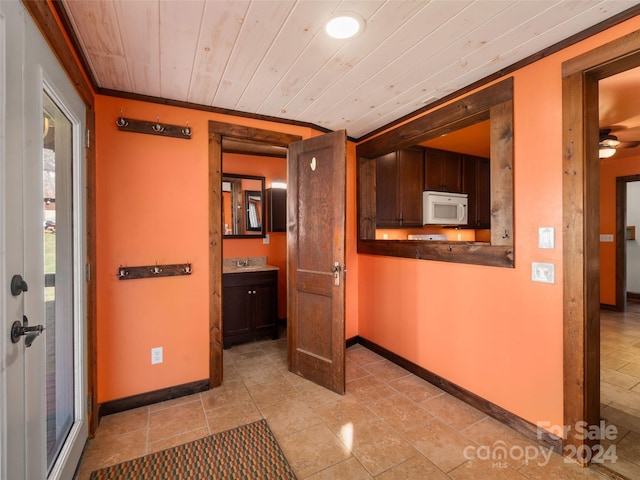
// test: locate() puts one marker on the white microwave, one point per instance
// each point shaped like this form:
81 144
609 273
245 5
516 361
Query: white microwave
444 208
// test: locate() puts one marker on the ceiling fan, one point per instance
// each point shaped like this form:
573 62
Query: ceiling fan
609 143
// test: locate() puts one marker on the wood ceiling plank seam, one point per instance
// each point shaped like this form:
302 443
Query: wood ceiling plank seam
588 13
399 40
319 89
114 69
391 34
542 41
178 41
512 21
89 59
335 90
581 20
194 60
391 84
290 45
535 43
140 45
475 74
214 48
478 67
392 118
332 71
301 91
101 44
253 42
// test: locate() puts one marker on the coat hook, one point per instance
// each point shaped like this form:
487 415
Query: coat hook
122 272
121 122
156 270
186 131
158 128
506 234
187 269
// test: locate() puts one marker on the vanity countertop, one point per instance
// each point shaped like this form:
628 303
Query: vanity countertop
245 265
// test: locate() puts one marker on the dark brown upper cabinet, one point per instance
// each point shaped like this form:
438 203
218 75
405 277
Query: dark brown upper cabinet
494 104
277 209
442 171
399 181
476 182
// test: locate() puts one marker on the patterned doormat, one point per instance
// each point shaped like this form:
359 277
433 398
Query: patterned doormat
247 452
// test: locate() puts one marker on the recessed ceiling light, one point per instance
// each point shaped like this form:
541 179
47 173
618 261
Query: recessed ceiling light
344 25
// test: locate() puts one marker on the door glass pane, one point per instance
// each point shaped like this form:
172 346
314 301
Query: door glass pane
58 275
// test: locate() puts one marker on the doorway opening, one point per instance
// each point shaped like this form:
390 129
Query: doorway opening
316 212
624 239
224 137
620 322
581 232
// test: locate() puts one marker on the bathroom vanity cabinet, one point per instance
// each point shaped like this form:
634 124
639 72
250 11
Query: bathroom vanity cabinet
249 305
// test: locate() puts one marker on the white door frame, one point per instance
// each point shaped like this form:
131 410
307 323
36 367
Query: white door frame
21 141
3 270
70 454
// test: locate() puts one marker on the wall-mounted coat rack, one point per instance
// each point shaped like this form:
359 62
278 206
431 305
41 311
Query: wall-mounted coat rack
151 271
151 128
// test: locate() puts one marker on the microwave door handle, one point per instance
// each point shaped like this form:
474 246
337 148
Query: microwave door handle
461 208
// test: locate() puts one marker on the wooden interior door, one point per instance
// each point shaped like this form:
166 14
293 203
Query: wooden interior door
316 257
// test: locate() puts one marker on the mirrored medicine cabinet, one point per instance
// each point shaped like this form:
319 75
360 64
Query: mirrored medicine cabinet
243 206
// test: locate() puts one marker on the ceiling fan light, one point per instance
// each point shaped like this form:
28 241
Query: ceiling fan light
606 151
344 25
609 141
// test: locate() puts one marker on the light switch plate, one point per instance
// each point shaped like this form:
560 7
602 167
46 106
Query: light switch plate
265 240
606 237
546 237
543 272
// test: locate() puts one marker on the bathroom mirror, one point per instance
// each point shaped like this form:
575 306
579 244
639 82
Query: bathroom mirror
242 206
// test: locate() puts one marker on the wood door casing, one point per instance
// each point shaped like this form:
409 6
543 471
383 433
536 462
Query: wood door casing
217 132
581 227
316 241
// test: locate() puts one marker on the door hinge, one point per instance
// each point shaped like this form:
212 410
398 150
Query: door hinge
87 138
89 404
88 272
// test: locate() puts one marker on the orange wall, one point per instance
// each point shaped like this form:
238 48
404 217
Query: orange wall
610 168
492 330
276 251
152 206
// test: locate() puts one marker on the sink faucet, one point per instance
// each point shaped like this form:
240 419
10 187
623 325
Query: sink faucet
242 263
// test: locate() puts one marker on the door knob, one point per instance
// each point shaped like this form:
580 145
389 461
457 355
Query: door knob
18 285
336 273
23 329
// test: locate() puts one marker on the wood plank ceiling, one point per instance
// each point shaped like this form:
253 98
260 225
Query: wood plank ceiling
272 57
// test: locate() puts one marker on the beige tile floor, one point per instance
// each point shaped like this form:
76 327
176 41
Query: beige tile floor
620 384
389 425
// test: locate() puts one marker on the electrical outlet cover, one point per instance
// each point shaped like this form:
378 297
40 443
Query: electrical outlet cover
156 355
543 272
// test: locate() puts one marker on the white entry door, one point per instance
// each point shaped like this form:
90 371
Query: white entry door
43 374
